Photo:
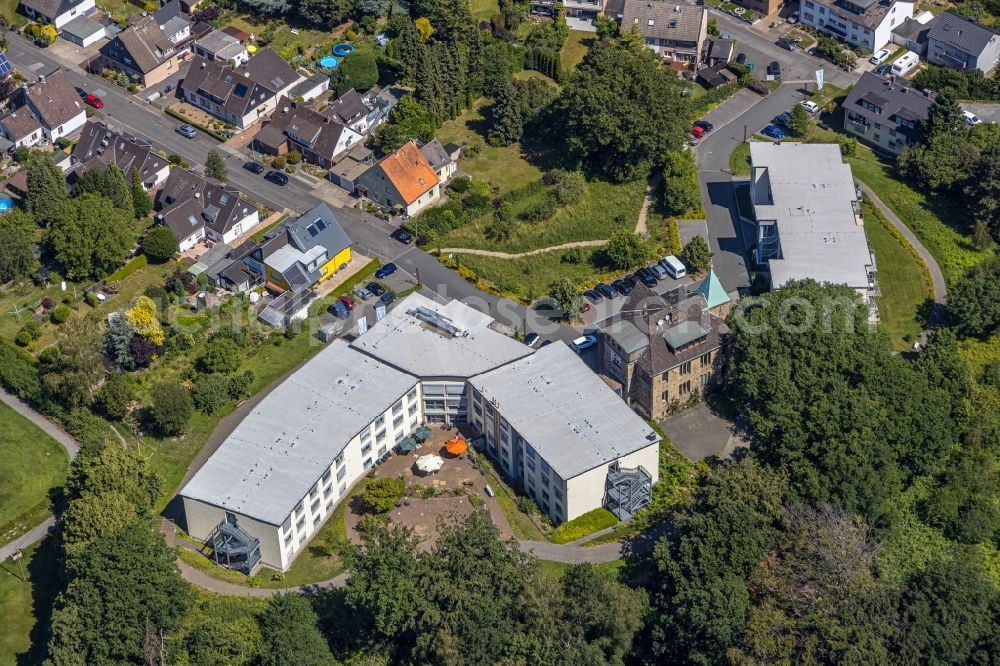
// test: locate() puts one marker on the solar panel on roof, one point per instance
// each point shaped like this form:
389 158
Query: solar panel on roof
5 66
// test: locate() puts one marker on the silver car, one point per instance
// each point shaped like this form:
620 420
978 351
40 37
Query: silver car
187 130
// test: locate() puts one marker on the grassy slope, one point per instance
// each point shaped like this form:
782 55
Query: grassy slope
530 277
25 604
33 465
900 279
482 10
575 48
739 160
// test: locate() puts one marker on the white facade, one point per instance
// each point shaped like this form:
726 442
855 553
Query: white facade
426 199
192 240
281 544
238 229
67 128
851 22
69 13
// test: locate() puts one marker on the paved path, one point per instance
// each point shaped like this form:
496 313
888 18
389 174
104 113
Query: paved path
937 277
505 255
38 532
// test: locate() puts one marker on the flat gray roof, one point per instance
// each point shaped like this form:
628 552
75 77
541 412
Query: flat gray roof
565 411
812 202
404 340
628 336
275 455
83 27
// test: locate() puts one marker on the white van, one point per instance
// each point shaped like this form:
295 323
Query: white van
673 266
905 63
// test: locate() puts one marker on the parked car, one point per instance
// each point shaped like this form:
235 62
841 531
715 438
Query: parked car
375 288
90 99
882 69
621 287
604 290
385 271
673 266
586 307
531 339
879 56
774 70
786 44
388 297
277 178
254 167
402 235
811 107
348 302
630 282
593 295
773 131
784 118
793 19
971 118
545 343
584 342
362 294
646 276
658 271
697 132
339 310
741 58
186 130
705 125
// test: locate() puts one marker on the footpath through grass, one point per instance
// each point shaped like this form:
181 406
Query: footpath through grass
33 467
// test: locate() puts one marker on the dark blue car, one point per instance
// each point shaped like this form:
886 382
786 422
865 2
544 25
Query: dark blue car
385 271
774 132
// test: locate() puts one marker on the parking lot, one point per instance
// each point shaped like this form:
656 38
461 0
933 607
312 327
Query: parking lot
988 112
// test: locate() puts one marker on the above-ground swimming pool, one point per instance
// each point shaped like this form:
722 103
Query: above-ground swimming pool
343 49
329 62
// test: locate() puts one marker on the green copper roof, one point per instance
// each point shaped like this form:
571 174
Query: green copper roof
712 290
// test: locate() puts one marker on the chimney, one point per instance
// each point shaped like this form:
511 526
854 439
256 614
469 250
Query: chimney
930 94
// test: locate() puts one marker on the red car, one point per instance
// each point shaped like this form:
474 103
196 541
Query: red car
698 132
93 100
348 302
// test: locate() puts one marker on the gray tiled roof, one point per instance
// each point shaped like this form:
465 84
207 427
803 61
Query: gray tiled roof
895 98
963 34
664 20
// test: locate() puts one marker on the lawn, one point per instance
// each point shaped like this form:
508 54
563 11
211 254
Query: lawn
25 604
575 48
505 167
34 466
530 277
901 281
604 208
8 11
581 526
482 10
520 523
739 160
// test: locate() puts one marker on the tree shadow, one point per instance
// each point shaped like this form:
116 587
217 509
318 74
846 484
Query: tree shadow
43 572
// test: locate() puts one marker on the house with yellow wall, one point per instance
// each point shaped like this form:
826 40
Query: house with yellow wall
302 252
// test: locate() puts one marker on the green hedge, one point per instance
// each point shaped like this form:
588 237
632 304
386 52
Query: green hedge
581 526
19 373
129 268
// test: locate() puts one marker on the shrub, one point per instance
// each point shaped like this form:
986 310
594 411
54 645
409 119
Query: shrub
172 407
61 314
160 244
67 298
31 330
293 157
116 396
211 393
574 255
91 299
23 338
221 355
157 294
19 373
540 211
460 185
48 303
175 159
570 185
381 495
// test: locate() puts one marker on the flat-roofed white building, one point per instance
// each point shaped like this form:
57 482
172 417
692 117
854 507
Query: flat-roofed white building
809 221
279 474
443 345
560 430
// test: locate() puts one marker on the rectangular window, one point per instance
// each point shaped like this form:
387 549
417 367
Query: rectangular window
397 422
685 388
412 410
686 368
329 505
317 521
412 395
368 463
545 468
326 476
302 539
703 380
343 489
558 509
287 525
314 490
380 436
326 491
381 452
545 495
341 473
366 448
557 492
315 507
706 359
397 408
339 460
299 525
666 395
380 421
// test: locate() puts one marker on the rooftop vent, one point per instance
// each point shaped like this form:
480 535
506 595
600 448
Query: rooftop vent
432 318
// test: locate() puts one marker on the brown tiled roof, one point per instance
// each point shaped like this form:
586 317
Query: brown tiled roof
20 124
347 108
318 132
125 150
409 172
664 20
146 43
236 32
235 91
218 206
55 100
269 69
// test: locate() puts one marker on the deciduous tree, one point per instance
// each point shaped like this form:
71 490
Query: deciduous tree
291 636
696 254
159 244
73 368
626 250
215 167
172 407
90 236
567 296
17 245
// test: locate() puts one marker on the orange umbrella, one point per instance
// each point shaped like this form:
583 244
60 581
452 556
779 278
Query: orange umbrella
456 447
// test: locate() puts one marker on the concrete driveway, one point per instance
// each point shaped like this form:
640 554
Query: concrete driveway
698 433
988 112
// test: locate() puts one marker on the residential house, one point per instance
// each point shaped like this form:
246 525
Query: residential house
720 51
362 113
270 69
226 93
808 218
100 146
48 109
440 160
661 351
551 425
766 7
962 43
675 32
580 14
197 209
57 12
142 52
403 181
912 33
867 23
350 165
218 46
887 113
310 88
318 137
174 26
301 252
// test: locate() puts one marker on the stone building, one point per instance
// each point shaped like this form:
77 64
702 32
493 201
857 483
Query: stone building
664 349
